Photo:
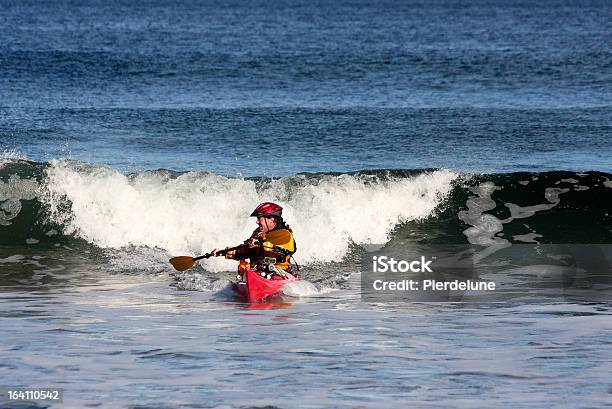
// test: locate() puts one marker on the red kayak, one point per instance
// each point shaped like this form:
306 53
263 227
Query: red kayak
254 287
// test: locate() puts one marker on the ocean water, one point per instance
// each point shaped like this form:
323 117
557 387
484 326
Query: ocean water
131 132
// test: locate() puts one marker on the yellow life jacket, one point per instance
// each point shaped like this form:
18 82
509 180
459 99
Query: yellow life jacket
278 244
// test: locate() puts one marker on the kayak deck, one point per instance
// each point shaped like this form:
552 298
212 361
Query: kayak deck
257 288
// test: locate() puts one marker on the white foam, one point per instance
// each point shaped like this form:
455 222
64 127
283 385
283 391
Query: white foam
196 212
486 227
10 156
17 258
12 192
304 288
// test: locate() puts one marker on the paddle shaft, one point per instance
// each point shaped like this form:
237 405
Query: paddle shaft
220 252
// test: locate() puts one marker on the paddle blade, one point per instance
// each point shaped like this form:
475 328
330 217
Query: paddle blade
182 263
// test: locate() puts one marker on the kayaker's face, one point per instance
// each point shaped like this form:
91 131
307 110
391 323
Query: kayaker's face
266 224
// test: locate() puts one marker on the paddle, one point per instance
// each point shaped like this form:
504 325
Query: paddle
182 263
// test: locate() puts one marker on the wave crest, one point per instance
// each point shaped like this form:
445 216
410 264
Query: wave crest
194 212
197 211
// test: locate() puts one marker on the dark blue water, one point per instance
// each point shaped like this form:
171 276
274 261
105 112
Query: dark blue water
254 88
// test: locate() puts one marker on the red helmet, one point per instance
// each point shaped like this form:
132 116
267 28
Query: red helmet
267 209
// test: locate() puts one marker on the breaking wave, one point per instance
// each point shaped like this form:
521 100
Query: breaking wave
171 213
191 213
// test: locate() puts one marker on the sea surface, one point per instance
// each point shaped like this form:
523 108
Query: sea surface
131 132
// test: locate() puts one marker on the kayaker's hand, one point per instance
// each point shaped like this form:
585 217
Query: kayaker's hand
253 243
215 253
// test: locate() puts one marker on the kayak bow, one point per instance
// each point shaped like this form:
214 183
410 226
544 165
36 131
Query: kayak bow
254 287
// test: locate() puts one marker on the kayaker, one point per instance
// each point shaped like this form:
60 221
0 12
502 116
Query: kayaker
271 244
